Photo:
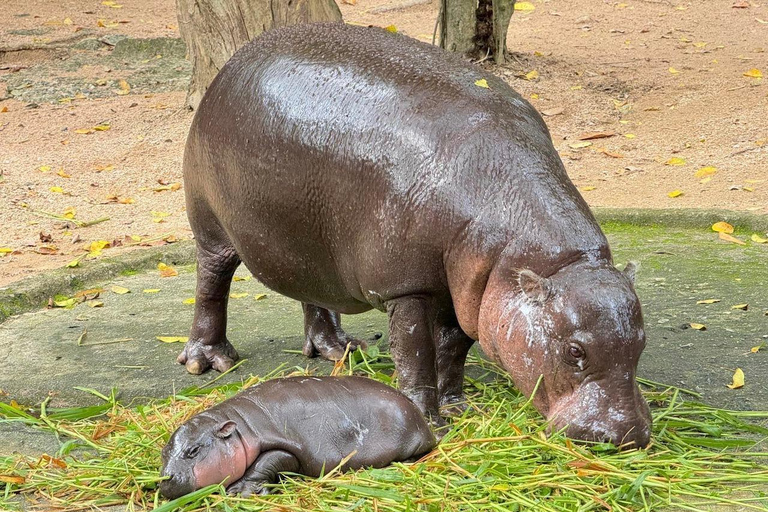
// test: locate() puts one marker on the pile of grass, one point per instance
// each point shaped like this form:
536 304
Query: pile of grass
496 457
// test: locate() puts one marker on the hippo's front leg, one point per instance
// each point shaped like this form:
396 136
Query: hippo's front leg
265 470
208 345
412 347
324 335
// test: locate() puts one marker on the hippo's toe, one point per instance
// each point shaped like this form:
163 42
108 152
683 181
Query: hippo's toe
198 357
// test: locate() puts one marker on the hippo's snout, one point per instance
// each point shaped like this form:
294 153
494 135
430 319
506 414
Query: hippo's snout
175 486
625 423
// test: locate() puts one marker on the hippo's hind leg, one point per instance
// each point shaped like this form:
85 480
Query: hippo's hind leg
452 349
324 335
266 470
208 345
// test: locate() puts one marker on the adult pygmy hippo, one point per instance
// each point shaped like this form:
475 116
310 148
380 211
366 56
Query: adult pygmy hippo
303 425
350 168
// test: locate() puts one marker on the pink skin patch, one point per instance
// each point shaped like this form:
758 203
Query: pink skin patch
230 462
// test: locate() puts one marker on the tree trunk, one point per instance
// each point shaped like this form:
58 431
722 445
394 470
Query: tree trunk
214 29
476 28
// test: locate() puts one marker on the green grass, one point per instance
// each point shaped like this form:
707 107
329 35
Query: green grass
496 457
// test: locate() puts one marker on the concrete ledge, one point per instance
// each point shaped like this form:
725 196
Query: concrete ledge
33 292
682 218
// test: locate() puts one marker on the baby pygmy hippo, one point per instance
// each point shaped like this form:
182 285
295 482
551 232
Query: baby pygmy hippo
303 425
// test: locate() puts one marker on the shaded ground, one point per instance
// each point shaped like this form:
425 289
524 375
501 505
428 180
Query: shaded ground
602 66
120 349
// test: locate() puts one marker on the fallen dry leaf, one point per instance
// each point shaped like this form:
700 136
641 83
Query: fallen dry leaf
238 295
742 307
722 227
391 28
260 296
738 379
753 73
729 238
482 83
552 111
524 6
704 172
173 339
11 479
587 188
166 270
531 75
707 301
189 301
120 290
675 193
151 290
579 145
758 239
698 327
675 161
610 154
95 303
595 135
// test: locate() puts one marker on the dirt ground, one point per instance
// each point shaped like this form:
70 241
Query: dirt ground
92 123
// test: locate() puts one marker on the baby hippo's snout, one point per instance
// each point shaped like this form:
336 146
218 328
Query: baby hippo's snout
176 486
599 417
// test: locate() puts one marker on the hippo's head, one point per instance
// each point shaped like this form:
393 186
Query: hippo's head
203 451
581 329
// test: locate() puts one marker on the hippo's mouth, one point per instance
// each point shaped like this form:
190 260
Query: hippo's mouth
175 487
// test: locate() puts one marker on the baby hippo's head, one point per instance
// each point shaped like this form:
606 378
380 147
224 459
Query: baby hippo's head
203 451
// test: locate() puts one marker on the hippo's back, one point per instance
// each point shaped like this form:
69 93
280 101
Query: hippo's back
355 154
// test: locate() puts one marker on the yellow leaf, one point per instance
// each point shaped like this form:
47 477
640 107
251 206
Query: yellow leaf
705 171
125 200
706 180
754 73
151 290
4 109
44 168
675 161
700 44
102 127
722 227
63 174
580 144
189 301
707 301
532 75
482 83
754 350
11 479
738 379
74 263
742 307
673 71
5 250
238 295
57 190
758 239
749 189
524 6
260 296
698 327
125 87
630 135
120 290
95 303
240 278
675 193
69 213
587 188
173 339
84 131
166 270
729 238
391 28
534 96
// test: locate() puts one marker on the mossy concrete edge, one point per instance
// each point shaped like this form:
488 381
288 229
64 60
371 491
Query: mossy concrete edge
682 218
33 292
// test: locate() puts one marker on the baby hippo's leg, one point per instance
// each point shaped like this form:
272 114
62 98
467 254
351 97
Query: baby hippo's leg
265 470
324 335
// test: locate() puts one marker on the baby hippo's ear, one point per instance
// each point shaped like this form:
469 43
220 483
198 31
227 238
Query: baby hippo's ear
535 287
630 269
226 429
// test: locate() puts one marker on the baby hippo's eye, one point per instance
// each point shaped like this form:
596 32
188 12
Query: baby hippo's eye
576 352
192 452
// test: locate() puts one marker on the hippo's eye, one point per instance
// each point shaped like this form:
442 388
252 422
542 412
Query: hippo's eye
191 453
576 352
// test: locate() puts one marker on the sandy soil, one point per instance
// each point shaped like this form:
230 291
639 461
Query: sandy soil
666 78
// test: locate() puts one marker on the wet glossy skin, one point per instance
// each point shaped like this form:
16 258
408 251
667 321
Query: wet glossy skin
298 424
350 168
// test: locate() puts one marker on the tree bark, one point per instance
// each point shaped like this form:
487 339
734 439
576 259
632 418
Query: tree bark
214 29
476 28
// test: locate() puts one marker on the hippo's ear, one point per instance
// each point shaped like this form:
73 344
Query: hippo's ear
535 287
226 429
630 269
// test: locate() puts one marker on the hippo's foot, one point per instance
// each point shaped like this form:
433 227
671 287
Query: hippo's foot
199 357
453 407
324 335
247 488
